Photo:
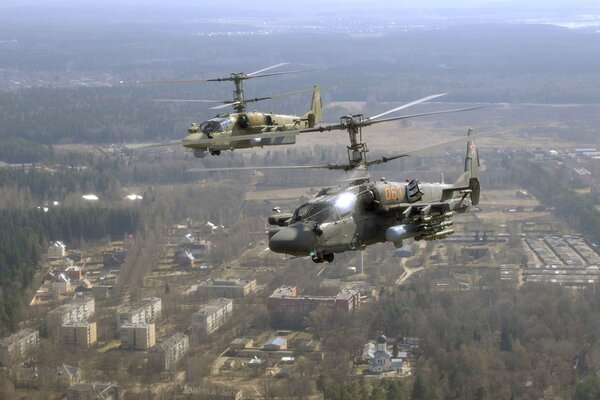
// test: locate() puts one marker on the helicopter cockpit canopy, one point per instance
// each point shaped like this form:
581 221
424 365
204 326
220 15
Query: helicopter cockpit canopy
215 125
327 208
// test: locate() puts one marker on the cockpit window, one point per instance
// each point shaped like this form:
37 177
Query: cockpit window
344 203
317 212
215 125
328 209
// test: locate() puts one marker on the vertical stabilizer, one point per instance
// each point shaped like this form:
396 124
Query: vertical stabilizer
315 114
469 179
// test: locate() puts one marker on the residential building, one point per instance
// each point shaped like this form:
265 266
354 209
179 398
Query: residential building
60 285
61 377
137 336
241 344
164 356
18 346
93 391
115 258
184 259
81 334
211 317
286 298
80 309
57 250
226 288
275 343
144 311
212 392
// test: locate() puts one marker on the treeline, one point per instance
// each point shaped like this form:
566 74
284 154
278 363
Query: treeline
24 235
579 213
391 389
500 343
497 68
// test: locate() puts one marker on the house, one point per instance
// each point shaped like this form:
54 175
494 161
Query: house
115 258
57 249
275 343
184 259
60 285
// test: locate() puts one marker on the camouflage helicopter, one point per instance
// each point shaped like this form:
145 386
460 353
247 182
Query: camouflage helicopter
350 218
245 129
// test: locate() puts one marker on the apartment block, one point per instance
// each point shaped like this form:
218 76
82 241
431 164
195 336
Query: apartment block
81 334
211 316
164 356
287 298
137 336
226 288
16 347
144 311
81 308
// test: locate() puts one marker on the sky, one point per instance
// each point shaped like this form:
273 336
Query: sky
314 4
182 10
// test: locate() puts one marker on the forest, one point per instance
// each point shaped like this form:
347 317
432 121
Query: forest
25 235
536 341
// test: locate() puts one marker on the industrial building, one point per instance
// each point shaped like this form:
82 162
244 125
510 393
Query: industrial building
211 317
81 334
226 288
286 298
137 336
17 346
144 311
165 355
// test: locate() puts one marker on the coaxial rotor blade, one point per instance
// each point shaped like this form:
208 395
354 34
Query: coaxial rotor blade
256 168
412 103
371 122
333 127
186 101
226 103
462 139
297 71
268 68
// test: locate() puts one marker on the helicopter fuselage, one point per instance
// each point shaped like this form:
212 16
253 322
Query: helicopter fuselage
350 219
240 124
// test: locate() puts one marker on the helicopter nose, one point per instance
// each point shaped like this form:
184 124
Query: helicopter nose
297 240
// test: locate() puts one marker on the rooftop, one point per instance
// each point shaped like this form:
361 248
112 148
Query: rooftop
169 342
23 333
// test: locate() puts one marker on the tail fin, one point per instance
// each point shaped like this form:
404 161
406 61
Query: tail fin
469 179
314 115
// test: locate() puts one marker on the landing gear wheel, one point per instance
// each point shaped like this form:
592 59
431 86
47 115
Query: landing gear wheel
328 257
317 259
215 152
